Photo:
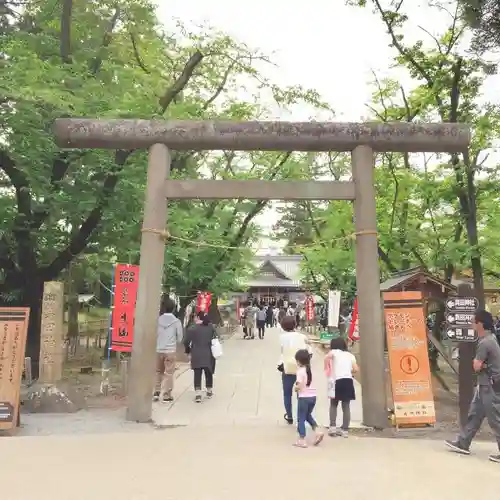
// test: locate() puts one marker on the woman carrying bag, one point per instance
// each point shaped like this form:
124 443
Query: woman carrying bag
203 344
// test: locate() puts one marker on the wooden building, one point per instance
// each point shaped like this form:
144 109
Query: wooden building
276 280
434 289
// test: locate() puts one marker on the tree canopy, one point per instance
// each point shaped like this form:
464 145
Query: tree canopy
434 211
107 60
483 16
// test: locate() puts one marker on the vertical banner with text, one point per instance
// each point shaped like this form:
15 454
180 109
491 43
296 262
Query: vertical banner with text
13 332
203 301
354 326
408 359
309 306
122 323
333 307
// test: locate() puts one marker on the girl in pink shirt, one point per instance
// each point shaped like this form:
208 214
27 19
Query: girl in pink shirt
306 399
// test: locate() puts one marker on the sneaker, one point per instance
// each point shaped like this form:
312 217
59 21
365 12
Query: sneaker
288 418
156 396
197 399
457 447
342 433
494 457
333 432
209 394
167 398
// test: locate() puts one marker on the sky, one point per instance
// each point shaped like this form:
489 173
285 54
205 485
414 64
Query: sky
324 45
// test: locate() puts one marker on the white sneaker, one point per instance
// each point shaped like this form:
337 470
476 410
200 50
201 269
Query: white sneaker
333 431
342 433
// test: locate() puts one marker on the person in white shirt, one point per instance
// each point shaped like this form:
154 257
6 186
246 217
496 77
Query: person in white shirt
291 341
340 364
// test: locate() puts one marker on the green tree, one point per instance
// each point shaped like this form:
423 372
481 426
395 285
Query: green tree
483 16
112 60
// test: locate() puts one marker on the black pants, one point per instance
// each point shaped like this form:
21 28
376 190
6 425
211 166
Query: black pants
209 378
261 326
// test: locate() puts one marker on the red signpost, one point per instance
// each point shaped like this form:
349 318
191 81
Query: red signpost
122 320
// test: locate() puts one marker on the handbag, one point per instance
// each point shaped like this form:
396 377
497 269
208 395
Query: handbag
216 346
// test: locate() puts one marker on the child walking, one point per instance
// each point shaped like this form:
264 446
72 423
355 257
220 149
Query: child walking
340 364
306 399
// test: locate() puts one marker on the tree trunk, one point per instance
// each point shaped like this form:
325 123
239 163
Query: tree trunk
214 313
73 307
32 296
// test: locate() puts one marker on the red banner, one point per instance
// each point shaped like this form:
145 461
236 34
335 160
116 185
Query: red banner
203 301
354 327
125 296
309 308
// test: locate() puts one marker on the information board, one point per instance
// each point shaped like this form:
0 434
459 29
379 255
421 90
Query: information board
408 359
13 332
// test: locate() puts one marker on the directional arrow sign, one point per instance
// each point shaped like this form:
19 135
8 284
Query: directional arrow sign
462 334
460 318
462 304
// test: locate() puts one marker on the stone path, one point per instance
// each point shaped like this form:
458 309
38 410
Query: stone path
238 462
247 389
235 446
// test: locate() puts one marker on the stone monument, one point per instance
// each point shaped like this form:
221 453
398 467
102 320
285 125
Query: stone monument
50 394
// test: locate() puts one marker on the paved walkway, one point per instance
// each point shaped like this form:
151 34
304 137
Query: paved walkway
243 463
235 446
247 389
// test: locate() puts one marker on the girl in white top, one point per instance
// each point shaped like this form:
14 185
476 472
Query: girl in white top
340 364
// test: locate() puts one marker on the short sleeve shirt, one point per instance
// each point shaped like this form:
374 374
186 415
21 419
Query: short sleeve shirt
488 351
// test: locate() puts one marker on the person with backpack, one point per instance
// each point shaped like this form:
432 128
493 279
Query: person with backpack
291 341
169 335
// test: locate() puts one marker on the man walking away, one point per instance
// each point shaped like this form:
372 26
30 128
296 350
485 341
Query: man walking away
261 321
169 334
486 400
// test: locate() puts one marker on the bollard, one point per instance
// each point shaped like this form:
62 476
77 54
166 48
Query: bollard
124 376
28 373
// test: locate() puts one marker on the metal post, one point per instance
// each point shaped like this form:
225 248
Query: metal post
142 369
466 350
368 285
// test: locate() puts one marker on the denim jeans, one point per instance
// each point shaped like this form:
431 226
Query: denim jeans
288 383
305 408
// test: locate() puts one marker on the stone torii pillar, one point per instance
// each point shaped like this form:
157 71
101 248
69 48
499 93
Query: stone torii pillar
362 139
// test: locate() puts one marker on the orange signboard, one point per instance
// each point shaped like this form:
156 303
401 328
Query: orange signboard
13 330
408 359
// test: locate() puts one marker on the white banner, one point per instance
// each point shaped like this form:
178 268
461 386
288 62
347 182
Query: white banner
333 308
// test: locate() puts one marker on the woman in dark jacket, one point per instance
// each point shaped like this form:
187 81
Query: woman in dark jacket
198 343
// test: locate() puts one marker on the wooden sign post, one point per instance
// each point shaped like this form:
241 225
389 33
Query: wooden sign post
52 333
13 332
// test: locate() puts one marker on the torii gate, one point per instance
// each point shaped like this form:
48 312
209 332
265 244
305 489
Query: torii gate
362 139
